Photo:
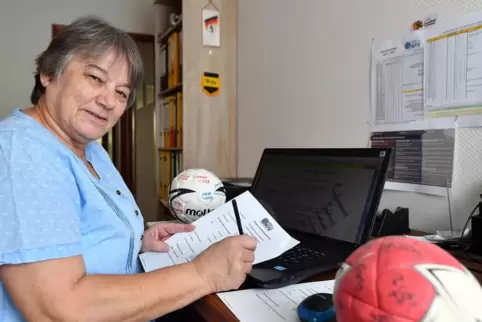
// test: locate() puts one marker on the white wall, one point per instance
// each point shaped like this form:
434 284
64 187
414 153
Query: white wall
308 61
25 30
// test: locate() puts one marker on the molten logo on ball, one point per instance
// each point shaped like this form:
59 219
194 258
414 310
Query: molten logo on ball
197 213
403 279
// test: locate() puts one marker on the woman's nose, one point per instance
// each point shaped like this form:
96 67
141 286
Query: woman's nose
107 98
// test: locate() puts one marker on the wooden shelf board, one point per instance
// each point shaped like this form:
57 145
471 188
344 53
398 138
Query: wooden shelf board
169 3
170 149
171 91
177 27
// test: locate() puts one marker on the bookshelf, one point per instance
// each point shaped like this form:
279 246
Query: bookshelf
194 129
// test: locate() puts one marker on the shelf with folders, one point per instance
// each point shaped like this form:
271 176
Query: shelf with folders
170 97
170 43
170 154
186 53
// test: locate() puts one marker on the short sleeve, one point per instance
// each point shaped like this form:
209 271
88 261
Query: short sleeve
39 202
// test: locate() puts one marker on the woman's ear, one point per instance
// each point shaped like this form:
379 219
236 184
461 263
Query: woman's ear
45 80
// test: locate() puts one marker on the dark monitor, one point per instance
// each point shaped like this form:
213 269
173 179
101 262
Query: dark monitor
328 192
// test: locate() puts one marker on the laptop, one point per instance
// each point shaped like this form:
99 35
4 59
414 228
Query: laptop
325 198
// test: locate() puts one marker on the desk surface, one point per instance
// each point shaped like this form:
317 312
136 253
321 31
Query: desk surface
211 308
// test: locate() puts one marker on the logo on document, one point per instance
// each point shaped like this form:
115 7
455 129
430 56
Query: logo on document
412 44
417 25
267 224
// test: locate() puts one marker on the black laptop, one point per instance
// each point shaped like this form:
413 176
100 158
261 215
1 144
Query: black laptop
325 198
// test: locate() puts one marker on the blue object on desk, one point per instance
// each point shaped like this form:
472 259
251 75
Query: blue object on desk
317 308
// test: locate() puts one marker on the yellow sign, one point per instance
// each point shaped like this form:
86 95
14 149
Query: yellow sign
210 83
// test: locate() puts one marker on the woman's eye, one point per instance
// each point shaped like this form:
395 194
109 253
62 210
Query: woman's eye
95 78
122 94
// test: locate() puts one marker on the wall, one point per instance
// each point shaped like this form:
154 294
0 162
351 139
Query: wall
209 123
308 62
25 30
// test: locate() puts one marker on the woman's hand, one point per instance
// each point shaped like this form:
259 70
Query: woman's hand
154 237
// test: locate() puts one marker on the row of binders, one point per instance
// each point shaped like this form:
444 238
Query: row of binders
171 136
170 153
170 165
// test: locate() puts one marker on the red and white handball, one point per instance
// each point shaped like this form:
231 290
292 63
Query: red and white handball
401 279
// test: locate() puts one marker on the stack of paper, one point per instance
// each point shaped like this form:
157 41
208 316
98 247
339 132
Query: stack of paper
272 305
272 239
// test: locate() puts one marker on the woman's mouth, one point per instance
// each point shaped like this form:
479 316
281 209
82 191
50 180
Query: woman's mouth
97 116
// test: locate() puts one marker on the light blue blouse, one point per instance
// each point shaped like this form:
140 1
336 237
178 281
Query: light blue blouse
52 207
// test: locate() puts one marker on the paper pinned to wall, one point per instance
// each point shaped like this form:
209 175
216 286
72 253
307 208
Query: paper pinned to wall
423 160
397 79
398 88
453 68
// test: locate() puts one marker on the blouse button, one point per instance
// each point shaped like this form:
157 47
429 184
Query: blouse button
118 192
137 213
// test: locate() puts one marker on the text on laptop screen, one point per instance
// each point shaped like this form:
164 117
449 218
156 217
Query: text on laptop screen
327 196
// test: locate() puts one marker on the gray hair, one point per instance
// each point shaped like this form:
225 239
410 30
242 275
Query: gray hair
89 37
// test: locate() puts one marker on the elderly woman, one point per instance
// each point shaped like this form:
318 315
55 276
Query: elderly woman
70 230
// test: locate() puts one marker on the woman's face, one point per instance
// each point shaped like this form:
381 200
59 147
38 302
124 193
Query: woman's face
89 97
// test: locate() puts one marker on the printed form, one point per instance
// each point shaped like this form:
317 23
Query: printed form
397 79
272 305
220 223
453 68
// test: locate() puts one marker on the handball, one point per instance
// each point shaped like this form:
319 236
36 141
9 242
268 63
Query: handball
401 279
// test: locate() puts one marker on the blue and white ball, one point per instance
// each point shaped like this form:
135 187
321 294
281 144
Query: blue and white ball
194 193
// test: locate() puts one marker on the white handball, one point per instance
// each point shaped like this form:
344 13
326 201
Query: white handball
194 193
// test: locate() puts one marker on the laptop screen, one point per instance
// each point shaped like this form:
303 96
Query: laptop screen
327 192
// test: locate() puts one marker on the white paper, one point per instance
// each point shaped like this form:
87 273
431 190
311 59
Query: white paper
468 121
272 305
397 79
418 188
426 124
211 28
453 67
421 238
272 239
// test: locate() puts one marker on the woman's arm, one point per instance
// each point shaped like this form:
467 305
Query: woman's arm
59 289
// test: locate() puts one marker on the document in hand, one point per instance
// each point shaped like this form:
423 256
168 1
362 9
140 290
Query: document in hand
220 223
272 305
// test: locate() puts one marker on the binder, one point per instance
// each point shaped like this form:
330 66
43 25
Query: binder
179 121
175 59
166 128
172 122
162 174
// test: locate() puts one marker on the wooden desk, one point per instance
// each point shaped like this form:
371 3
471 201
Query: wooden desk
211 308
474 267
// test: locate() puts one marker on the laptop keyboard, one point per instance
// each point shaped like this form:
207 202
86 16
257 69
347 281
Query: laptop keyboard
299 254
